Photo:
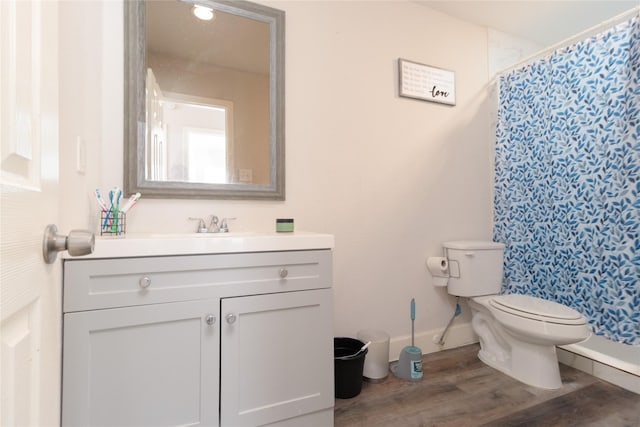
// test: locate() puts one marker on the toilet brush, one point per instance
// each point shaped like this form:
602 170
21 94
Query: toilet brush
409 364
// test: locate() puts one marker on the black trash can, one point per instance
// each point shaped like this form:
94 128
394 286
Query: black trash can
348 366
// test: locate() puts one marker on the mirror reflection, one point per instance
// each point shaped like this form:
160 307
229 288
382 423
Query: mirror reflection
204 109
207 96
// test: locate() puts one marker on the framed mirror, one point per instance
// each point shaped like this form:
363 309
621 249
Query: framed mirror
204 100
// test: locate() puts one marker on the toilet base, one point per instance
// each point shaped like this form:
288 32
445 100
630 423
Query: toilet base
531 363
537 367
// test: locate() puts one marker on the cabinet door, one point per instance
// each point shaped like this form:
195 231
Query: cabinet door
277 357
155 365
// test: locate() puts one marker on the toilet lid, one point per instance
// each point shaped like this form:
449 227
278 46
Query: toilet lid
536 308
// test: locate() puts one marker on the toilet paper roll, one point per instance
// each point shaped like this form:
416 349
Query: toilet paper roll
438 266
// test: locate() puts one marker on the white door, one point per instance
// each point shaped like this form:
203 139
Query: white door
29 288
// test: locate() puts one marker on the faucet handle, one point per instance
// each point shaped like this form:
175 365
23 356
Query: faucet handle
224 226
202 227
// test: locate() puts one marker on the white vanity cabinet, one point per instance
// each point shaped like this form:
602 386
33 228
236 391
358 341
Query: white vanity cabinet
241 339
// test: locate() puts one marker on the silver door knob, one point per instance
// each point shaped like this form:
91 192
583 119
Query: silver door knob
210 319
231 318
283 272
78 242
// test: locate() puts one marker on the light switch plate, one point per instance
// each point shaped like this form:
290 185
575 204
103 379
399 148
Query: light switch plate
81 156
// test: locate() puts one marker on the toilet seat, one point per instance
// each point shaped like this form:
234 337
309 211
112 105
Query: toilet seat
536 309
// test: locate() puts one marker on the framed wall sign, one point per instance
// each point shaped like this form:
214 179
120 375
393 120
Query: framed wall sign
419 81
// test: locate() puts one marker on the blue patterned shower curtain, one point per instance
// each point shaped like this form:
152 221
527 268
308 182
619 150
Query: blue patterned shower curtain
567 180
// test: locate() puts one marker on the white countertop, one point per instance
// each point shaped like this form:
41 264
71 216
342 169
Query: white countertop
158 244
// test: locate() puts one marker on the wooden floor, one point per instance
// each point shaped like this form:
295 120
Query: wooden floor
459 390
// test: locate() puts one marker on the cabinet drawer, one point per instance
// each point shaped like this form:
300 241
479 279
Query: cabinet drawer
108 283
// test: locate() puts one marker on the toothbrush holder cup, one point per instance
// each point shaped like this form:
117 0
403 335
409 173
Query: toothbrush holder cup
113 224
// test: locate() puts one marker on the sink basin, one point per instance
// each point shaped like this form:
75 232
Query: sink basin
199 235
154 244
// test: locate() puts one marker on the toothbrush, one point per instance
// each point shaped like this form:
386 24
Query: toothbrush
116 210
100 200
131 202
109 212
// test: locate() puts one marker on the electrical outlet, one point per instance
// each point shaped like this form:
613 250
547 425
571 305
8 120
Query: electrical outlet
246 175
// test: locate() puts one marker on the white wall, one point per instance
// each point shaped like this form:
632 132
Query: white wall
506 50
91 99
390 177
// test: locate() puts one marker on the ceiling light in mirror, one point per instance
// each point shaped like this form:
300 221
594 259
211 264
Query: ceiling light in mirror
203 12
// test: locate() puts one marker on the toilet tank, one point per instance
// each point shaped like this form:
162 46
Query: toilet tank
475 267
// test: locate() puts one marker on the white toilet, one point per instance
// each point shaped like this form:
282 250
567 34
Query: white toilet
518 333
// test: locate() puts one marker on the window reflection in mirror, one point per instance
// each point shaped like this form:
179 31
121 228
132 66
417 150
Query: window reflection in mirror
200 132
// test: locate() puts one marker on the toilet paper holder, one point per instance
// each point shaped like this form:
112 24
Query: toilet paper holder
442 269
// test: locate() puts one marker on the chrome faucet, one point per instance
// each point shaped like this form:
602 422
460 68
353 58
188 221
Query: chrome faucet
215 226
219 226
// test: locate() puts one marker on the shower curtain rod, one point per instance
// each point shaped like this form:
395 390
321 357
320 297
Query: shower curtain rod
573 39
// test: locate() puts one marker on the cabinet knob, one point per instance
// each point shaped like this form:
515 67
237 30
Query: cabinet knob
283 272
144 282
231 318
210 319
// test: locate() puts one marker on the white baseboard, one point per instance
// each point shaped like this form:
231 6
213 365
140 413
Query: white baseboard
457 336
